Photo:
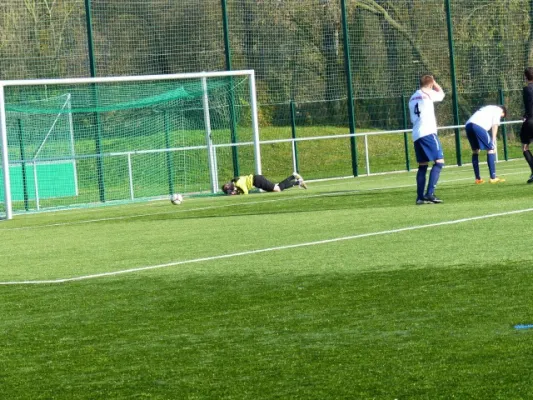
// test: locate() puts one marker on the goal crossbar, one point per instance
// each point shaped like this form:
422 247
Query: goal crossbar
116 79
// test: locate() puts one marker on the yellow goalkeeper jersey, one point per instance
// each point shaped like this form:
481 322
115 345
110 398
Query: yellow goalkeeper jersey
245 183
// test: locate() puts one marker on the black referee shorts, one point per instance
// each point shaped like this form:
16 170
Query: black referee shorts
261 182
526 131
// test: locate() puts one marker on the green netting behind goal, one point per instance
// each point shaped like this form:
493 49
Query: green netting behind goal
43 181
94 143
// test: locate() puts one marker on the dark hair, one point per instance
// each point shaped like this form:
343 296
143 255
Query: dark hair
504 109
228 188
528 73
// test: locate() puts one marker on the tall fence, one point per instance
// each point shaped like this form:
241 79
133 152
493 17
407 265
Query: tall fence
322 66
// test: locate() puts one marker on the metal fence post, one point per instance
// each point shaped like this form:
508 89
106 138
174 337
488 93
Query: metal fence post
504 128
405 135
293 131
170 169
231 99
454 82
348 72
23 165
98 136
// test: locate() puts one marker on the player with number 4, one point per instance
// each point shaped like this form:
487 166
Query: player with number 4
426 142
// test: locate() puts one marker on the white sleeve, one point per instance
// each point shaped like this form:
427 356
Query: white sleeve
437 96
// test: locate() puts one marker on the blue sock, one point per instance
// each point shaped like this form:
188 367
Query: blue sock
491 160
475 164
421 181
434 177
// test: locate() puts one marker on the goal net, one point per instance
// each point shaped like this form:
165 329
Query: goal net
43 137
91 141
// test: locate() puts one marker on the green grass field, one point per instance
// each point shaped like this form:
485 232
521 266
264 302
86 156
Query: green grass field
347 290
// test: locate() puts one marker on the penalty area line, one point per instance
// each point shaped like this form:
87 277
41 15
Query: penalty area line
265 250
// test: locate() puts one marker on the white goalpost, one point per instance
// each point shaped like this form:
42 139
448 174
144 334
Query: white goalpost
8 204
123 136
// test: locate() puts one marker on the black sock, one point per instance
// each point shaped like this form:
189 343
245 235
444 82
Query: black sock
288 183
529 159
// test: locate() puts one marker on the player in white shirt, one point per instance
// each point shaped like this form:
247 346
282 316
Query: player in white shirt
426 142
477 131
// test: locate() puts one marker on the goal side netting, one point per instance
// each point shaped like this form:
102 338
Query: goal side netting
90 141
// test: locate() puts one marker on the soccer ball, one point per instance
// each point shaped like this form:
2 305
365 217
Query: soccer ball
176 199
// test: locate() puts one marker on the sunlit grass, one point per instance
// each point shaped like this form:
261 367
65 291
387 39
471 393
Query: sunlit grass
340 300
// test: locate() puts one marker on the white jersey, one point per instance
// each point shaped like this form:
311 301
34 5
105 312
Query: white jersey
423 113
486 117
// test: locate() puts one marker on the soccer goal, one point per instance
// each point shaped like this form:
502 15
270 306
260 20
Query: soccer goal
90 141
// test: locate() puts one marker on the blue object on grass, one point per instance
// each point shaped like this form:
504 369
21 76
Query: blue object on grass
528 326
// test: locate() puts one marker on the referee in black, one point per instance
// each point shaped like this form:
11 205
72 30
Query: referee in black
526 132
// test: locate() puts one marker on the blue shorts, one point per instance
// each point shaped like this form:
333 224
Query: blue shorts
428 148
479 138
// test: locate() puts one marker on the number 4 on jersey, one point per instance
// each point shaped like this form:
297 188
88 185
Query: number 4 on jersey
417 111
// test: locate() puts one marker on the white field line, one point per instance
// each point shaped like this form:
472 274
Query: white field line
304 197
266 250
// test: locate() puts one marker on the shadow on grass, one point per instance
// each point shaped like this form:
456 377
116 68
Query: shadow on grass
347 200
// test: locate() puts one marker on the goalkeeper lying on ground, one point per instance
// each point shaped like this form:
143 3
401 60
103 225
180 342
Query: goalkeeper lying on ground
243 184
